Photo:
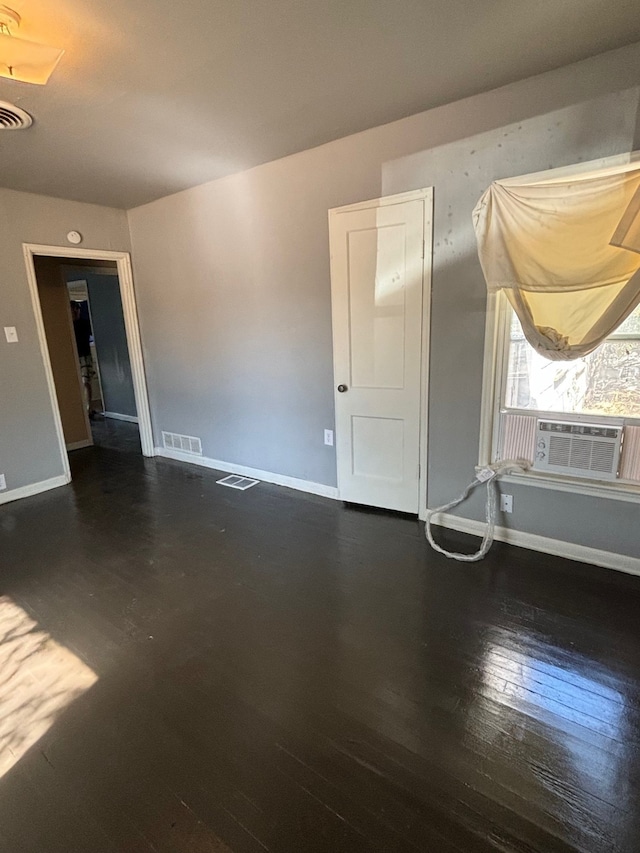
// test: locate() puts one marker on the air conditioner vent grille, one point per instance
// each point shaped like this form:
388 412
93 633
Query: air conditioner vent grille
13 118
602 456
580 456
578 449
560 451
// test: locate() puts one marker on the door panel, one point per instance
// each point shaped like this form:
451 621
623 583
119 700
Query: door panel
377 448
377 292
377 306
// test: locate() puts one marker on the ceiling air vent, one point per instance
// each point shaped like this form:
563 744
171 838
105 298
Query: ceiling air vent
13 118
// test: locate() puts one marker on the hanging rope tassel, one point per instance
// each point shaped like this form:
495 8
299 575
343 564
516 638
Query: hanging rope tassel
487 475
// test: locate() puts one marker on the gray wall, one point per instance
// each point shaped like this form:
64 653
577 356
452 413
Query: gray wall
234 293
112 348
28 445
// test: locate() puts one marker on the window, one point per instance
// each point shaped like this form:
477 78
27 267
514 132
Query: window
588 410
606 382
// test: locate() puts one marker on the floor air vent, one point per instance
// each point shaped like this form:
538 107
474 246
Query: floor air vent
182 443
582 450
13 118
234 481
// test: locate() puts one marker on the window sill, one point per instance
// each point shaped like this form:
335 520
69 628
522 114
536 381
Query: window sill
619 490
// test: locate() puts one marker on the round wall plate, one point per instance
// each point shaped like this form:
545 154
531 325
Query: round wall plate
74 237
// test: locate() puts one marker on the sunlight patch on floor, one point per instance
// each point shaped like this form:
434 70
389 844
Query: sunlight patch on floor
39 678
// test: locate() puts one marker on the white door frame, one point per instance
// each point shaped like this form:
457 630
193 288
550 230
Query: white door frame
125 277
426 195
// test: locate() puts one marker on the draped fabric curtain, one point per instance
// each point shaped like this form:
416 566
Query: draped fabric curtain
566 251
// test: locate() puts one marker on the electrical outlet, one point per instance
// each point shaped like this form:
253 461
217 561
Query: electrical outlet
506 503
3 482
328 437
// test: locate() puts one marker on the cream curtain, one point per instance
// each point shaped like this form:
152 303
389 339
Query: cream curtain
558 245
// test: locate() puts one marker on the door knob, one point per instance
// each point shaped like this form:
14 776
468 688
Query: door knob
342 388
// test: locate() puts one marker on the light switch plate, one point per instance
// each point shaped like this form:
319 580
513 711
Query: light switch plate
11 334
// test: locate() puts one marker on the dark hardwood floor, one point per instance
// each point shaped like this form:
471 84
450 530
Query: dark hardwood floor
189 668
113 434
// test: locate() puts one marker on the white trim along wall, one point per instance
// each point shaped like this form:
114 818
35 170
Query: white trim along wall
33 489
544 544
255 473
117 417
533 542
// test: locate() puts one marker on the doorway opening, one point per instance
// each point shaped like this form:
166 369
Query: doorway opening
87 325
103 353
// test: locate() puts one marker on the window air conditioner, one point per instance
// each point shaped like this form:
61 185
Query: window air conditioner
580 450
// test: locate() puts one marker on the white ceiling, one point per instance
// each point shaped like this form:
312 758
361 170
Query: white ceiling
154 96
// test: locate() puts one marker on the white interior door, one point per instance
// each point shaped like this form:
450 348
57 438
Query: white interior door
377 287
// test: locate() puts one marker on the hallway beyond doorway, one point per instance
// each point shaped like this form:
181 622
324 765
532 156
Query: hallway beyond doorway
112 434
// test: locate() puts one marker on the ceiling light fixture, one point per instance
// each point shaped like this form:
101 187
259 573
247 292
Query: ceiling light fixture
20 59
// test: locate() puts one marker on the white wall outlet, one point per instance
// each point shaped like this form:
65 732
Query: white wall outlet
11 334
506 503
328 437
3 482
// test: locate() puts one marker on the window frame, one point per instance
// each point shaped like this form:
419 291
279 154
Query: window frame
495 367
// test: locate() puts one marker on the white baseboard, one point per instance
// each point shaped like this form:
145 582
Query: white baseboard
129 418
78 445
264 476
544 544
557 547
33 489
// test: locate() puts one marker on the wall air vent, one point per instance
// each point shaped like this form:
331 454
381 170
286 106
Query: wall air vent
13 118
580 450
182 443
